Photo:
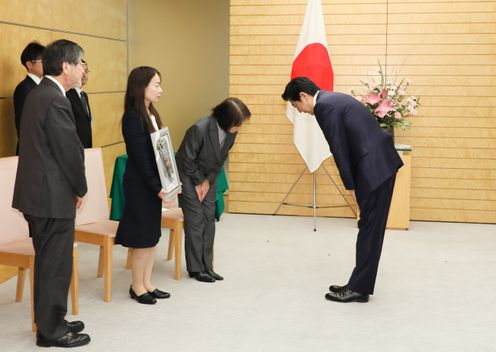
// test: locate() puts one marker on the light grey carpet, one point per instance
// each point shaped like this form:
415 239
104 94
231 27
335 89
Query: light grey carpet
436 291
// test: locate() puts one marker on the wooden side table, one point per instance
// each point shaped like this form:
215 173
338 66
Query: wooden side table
399 213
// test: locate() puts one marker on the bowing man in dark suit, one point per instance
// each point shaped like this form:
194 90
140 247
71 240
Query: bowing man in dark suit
200 157
31 60
367 162
81 109
49 187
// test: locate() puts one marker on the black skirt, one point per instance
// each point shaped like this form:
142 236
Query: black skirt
140 223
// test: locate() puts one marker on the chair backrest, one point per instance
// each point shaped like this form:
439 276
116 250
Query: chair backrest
95 205
13 226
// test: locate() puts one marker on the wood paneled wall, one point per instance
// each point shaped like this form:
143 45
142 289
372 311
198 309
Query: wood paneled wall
447 48
100 28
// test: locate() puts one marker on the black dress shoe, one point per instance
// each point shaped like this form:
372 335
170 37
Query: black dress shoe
145 298
74 326
216 276
68 340
337 288
202 276
347 295
159 294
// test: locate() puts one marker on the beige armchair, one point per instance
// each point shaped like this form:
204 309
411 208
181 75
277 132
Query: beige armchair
92 219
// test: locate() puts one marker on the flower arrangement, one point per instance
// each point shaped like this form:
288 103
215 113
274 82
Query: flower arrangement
388 102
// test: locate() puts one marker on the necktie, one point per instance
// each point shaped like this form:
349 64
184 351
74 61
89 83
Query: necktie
84 101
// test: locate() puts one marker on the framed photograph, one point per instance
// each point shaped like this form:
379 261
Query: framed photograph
166 163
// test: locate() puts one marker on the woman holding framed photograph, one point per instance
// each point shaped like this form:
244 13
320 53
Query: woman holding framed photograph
139 227
199 160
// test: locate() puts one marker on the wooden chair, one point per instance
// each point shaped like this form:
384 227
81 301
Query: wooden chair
92 219
173 220
16 247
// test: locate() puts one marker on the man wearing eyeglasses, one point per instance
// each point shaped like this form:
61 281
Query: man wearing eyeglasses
81 109
50 185
31 60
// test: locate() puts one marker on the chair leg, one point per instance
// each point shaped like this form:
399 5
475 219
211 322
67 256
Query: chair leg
170 250
178 240
101 264
75 283
20 284
129 258
107 268
31 289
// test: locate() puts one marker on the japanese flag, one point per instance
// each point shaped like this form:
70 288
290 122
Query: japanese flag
311 60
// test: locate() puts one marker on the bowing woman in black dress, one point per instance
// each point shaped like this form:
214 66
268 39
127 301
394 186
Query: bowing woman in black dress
139 227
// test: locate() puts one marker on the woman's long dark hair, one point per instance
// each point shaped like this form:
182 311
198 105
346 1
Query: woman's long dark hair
138 80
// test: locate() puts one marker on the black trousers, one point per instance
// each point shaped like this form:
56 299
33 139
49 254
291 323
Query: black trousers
53 241
371 227
199 226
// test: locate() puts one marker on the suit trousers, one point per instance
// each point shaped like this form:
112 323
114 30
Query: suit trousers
53 241
374 212
199 226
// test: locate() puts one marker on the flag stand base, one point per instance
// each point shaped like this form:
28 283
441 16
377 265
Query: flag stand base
314 206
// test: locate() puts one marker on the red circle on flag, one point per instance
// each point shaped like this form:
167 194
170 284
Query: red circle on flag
314 62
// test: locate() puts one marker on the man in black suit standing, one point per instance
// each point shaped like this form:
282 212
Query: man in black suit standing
31 59
81 109
50 184
367 162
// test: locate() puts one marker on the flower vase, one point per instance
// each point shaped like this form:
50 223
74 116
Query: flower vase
390 131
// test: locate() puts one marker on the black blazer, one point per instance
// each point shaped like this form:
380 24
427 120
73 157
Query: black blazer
364 153
141 163
20 93
50 173
83 119
200 156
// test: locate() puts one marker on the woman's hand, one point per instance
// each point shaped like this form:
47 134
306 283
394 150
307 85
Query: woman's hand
168 203
202 189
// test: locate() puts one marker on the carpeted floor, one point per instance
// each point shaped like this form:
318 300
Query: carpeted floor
436 291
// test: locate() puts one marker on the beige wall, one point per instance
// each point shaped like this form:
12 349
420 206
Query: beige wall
445 47
100 28
188 42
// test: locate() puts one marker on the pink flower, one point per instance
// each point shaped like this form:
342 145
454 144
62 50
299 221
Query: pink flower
373 98
397 115
384 107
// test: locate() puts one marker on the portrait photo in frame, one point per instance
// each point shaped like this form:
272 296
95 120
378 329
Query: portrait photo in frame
166 163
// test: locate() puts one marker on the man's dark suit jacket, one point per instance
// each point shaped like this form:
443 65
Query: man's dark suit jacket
364 153
20 93
50 173
200 156
83 118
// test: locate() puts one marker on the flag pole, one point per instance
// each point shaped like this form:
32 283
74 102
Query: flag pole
314 206
314 201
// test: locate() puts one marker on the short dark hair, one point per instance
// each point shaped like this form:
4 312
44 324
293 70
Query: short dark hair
33 51
230 113
57 53
298 85
134 100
